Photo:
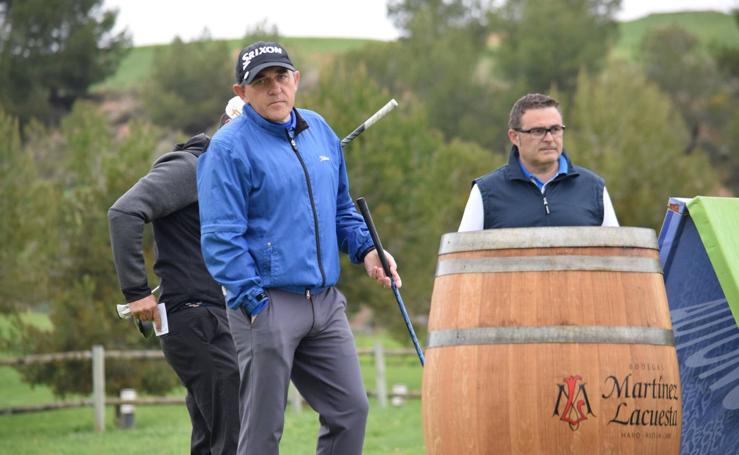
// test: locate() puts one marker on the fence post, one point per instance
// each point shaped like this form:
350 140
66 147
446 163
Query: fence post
126 412
98 386
400 392
380 380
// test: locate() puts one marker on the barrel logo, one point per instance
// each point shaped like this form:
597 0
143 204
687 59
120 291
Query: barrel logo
572 405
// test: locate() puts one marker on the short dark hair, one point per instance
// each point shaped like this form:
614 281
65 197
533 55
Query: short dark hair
528 102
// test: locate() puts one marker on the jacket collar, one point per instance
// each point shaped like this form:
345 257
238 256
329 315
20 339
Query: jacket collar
274 128
514 172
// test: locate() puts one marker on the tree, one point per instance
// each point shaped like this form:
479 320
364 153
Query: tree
732 140
628 131
51 51
24 204
190 84
727 59
546 44
415 183
674 60
441 61
436 17
261 31
92 169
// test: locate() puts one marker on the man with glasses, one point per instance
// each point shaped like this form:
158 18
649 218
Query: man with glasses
539 186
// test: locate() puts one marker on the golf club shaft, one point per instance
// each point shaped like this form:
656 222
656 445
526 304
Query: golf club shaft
407 320
364 209
370 121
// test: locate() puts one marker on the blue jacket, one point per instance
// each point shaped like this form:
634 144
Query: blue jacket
510 199
275 211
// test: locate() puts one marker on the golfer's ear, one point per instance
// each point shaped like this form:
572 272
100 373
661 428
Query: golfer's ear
513 136
296 75
238 91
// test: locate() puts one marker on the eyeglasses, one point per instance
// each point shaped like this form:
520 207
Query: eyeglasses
540 131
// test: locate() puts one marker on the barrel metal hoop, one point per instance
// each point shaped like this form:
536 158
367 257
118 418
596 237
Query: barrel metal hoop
550 237
551 334
548 264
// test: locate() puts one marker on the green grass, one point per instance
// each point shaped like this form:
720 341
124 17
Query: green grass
163 429
393 430
316 45
16 393
711 28
133 70
166 429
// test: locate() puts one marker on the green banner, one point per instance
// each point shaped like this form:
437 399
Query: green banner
717 221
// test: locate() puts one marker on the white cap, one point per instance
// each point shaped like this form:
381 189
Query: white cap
234 107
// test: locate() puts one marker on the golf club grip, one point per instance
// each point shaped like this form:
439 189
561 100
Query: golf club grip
364 209
389 106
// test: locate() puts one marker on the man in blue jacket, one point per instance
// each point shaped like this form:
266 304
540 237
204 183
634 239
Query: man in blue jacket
275 211
539 186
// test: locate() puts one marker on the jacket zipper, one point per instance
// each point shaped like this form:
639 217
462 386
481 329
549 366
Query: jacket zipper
312 206
541 191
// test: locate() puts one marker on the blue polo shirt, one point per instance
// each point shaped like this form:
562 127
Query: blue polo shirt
563 168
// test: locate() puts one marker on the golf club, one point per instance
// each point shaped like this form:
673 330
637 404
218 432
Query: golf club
370 121
364 209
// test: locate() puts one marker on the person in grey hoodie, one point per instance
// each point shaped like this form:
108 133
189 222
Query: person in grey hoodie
198 346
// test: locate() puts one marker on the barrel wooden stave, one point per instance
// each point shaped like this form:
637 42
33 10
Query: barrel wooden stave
588 298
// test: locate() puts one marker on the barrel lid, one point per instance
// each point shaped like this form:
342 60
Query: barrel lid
548 237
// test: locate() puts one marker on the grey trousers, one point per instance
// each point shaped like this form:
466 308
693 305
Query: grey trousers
308 340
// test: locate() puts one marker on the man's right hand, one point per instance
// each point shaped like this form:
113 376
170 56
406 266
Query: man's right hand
146 310
373 266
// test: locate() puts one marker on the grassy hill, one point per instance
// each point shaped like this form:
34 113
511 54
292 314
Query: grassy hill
305 51
711 28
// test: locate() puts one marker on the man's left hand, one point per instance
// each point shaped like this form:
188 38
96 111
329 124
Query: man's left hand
146 310
373 266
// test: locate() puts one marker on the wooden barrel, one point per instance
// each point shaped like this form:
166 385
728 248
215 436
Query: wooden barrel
550 341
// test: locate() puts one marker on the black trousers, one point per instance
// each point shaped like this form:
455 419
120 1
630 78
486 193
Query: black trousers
201 351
